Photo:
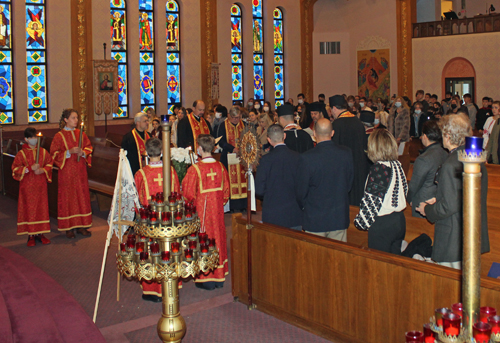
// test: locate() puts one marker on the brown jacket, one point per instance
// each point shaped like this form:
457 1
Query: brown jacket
399 124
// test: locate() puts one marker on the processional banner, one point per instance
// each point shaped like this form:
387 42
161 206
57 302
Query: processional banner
106 86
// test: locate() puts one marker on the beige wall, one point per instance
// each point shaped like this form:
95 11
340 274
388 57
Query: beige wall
430 55
291 35
351 23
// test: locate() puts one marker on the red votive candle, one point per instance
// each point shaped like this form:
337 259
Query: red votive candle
188 253
451 324
485 312
165 255
204 248
192 245
159 197
153 217
192 235
155 248
130 244
203 237
165 216
144 256
142 212
439 315
179 196
174 247
494 321
414 336
429 335
131 238
178 215
171 199
153 198
482 332
139 247
457 309
211 242
122 247
188 214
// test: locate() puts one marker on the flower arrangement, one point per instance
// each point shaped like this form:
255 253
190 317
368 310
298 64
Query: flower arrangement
181 161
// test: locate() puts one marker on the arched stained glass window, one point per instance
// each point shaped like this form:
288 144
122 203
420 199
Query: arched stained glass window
236 53
147 52
279 64
173 55
258 50
36 58
6 92
118 20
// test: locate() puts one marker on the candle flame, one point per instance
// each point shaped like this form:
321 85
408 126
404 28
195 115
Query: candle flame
39 134
189 148
81 124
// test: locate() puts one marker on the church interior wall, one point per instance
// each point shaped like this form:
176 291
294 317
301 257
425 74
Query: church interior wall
474 7
351 23
430 55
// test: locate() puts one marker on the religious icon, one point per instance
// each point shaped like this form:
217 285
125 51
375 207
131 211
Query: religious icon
118 30
4 32
145 33
35 29
278 39
235 35
106 81
172 32
257 37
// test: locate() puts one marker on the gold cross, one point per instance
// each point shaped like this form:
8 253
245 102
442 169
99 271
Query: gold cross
159 180
212 174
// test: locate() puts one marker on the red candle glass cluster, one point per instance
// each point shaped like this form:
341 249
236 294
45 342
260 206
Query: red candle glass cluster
429 335
155 248
165 256
130 242
188 253
175 247
451 324
158 198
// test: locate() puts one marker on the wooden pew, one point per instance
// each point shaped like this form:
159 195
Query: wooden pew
114 139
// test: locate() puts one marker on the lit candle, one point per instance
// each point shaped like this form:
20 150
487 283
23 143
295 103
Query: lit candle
439 315
204 248
190 151
429 335
189 254
80 141
485 312
482 332
165 217
174 247
39 140
494 321
451 324
164 118
192 245
123 247
139 247
473 145
414 336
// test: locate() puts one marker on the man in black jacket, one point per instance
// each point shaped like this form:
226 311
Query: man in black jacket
275 182
324 179
296 139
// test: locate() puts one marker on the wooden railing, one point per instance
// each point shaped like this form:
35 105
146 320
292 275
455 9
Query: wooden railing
477 24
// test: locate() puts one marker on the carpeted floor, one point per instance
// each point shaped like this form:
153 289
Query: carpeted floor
211 316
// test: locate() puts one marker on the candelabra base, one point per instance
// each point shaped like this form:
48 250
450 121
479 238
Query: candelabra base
171 326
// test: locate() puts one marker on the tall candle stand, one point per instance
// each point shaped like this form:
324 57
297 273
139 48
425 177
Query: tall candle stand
166 247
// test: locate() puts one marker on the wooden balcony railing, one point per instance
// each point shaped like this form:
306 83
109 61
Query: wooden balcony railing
477 24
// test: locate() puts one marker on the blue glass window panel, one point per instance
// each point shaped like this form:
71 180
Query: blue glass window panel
120 56
257 8
122 112
37 56
258 59
277 14
6 117
173 57
236 58
37 116
237 82
235 10
278 37
144 108
172 6
147 84
6 102
35 27
146 5
117 4
147 58
122 84
36 85
278 82
278 59
236 37
258 82
36 1
173 83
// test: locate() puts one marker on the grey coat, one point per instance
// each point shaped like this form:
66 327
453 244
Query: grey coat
446 213
422 186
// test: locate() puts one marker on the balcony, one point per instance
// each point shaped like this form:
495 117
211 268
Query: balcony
477 24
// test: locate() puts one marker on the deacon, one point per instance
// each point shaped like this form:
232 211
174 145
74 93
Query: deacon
276 179
296 139
230 132
134 142
193 125
33 173
324 179
350 132
317 111
207 183
71 151
149 181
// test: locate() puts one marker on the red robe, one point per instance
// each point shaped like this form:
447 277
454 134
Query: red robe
237 177
198 128
207 182
33 204
149 181
73 201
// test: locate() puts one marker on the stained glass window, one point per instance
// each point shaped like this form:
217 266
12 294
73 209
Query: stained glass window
258 50
279 72
6 93
173 55
118 21
36 58
236 53
147 54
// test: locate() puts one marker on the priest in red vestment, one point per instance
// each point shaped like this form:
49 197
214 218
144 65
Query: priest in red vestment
73 202
207 183
33 206
149 181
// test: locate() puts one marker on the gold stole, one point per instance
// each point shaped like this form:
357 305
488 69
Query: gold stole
346 114
141 144
237 178
199 128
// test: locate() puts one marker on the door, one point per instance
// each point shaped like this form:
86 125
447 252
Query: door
461 86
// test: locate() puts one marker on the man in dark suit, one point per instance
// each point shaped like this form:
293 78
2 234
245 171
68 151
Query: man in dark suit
193 125
422 186
275 182
324 179
296 139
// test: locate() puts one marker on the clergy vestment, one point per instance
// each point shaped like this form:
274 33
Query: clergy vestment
207 183
297 139
230 134
149 181
350 132
134 143
189 128
73 201
33 205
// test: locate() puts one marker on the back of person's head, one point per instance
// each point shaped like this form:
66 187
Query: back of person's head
29 132
222 110
207 142
383 117
138 117
153 147
189 110
382 146
432 130
323 128
275 133
456 127
407 100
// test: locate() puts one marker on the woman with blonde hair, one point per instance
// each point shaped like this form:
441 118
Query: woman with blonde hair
399 121
384 200
264 123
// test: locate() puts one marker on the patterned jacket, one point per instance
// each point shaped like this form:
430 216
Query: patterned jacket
399 124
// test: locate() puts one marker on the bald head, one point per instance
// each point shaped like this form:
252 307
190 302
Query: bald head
323 130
